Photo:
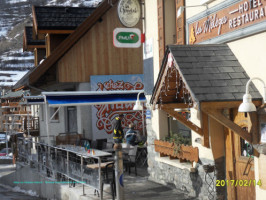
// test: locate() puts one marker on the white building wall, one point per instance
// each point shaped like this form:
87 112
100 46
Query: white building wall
152 33
55 127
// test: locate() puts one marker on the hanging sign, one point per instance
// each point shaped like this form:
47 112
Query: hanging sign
128 12
237 16
127 37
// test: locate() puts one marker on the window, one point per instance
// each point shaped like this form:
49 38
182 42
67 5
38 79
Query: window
178 132
246 148
52 111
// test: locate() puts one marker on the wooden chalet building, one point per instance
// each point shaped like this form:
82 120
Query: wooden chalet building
17 117
76 50
201 84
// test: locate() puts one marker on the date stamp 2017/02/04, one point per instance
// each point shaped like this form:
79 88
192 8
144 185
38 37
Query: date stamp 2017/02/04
235 183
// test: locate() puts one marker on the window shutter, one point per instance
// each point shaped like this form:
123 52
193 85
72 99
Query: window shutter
180 24
160 6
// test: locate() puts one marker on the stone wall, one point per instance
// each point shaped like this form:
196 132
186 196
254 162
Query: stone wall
195 184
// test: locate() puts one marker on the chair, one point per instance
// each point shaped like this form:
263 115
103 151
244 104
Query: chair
101 143
94 144
130 160
109 178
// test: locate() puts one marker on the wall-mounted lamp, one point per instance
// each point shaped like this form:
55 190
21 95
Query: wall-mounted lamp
182 8
137 105
247 105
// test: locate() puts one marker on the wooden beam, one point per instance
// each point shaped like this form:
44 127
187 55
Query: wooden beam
219 117
253 127
56 31
205 128
36 46
173 105
229 162
224 104
158 90
184 121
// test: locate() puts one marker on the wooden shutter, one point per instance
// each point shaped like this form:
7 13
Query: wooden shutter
160 4
180 24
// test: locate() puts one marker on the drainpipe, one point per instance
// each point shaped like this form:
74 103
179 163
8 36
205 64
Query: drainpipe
47 119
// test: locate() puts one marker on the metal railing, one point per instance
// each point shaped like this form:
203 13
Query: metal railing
63 164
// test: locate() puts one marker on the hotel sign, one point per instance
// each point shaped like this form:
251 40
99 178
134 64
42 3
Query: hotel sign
234 17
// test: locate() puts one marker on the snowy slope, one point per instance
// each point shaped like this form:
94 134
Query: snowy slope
14 16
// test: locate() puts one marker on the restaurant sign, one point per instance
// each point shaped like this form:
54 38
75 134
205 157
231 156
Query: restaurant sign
237 16
127 37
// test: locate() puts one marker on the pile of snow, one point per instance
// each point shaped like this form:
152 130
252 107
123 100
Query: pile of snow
5 157
16 1
18 189
29 192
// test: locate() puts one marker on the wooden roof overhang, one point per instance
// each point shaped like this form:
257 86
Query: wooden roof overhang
171 91
28 43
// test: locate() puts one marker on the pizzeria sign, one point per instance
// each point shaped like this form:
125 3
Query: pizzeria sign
234 17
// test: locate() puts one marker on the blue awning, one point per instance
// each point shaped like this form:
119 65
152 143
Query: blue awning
56 99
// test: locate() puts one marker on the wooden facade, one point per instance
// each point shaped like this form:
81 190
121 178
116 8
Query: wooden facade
95 54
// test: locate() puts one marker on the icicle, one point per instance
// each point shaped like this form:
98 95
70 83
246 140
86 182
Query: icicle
190 100
168 83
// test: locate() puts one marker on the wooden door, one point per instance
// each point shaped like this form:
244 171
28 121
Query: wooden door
243 163
72 125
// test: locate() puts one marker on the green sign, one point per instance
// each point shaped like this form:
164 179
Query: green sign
127 37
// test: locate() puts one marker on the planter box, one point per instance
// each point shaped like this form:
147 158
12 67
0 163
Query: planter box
170 149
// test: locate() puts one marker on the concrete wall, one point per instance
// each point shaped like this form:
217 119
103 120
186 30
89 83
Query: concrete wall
42 186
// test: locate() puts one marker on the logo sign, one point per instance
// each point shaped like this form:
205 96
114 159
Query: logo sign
148 114
237 16
129 12
127 37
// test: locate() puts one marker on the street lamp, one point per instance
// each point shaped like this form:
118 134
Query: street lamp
247 105
137 105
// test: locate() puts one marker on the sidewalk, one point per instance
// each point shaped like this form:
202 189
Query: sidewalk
138 188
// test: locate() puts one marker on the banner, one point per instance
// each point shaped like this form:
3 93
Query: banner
103 115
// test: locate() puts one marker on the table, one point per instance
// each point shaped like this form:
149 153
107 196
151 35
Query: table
96 165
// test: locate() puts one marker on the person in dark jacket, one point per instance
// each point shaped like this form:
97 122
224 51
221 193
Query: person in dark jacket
118 133
131 136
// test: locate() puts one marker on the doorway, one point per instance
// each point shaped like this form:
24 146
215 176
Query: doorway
72 126
240 163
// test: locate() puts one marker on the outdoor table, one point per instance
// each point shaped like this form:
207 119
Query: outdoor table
96 165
